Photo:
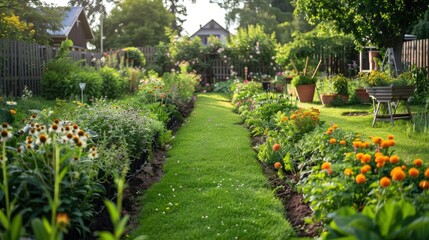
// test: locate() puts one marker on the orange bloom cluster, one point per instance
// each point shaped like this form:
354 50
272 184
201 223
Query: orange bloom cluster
277 165
427 173
326 166
285 118
418 162
424 184
360 178
359 144
366 168
332 141
380 159
413 172
397 174
385 182
364 158
343 142
394 159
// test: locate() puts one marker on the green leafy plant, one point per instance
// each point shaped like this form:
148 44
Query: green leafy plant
114 85
133 57
303 80
93 80
391 220
340 84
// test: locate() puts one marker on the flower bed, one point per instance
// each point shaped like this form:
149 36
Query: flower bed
333 168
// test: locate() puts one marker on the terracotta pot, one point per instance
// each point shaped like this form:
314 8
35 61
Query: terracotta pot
345 98
327 98
363 95
305 92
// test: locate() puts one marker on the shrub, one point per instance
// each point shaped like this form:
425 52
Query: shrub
133 57
93 80
223 86
113 84
303 80
54 77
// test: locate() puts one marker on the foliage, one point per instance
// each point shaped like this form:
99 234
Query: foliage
223 86
276 16
391 220
93 80
114 85
53 82
133 57
303 80
421 29
13 28
44 159
419 79
340 84
263 115
28 20
136 23
137 130
383 24
188 50
162 61
253 47
292 55
243 93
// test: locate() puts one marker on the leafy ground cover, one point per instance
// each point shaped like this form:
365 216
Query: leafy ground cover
410 145
212 187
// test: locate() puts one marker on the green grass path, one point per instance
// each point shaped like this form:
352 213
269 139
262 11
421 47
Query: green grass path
213 187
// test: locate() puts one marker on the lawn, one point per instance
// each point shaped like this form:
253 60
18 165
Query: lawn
409 145
213 186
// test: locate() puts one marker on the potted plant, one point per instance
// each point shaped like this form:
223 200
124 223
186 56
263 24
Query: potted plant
305 87
383 87
341 87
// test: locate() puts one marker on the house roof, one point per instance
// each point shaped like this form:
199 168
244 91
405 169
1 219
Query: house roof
212 24
71 16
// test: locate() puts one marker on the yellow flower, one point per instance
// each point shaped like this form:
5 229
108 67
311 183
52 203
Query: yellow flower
343 142
348 172
13 112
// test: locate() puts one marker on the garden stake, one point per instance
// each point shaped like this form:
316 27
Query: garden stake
306 65
315 71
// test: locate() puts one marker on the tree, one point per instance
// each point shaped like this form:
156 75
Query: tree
137 23
275 15
379 22
28 20
421 29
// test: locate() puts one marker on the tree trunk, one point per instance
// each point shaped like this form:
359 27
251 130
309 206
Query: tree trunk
397 51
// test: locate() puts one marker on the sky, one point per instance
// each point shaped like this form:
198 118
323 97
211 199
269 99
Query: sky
199 13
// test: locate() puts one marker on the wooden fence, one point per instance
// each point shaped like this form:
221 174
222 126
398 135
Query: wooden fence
21 64
416 53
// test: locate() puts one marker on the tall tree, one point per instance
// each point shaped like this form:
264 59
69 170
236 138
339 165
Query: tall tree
379 22
137 23
33 17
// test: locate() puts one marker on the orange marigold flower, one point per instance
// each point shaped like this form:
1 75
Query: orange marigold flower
403 167
427 173
366 158
394 159
365 169
332 141
379 159
357 144
380 164
377 140
293 116
413 172
397 174
359 156
276 147
285 118
424 184
360 178
390 136
277 165
385 182
418 162
392 143
366 144
335 126
343 142
329 170
326 165
329 132
13 112
348 172
385 144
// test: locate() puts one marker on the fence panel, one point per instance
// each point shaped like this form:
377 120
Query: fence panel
21 64
416 53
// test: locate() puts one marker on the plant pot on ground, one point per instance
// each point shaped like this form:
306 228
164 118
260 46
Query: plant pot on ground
305 87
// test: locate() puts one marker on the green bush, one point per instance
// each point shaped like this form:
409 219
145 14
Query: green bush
303 80
93 80
114 85
54 77
133 57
